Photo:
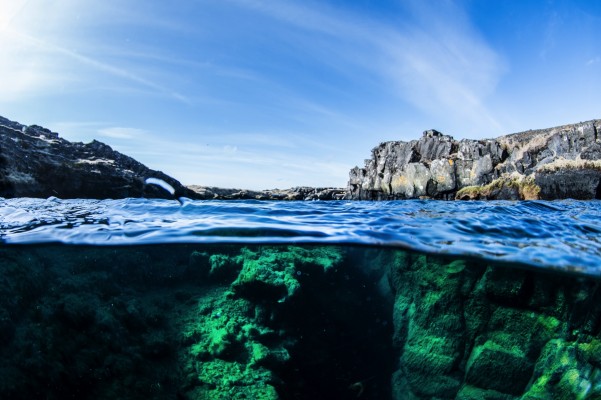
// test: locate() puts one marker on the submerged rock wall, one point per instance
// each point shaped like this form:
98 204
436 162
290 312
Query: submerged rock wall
554 163
290 323
465 330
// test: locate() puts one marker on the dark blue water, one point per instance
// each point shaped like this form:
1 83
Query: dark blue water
563 235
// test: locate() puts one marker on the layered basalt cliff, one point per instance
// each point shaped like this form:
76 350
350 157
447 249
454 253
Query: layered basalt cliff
35 162
555 163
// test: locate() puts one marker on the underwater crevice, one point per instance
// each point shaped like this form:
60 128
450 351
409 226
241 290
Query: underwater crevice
342 331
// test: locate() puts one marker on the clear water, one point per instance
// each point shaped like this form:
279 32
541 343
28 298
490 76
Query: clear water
561 235
150 299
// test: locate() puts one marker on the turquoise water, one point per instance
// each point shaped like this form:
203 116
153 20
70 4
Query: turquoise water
150 299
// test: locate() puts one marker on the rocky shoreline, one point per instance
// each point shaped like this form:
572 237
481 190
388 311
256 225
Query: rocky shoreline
36 162
296 193
547 164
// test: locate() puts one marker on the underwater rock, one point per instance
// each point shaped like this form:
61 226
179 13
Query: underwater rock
555 163
460 329
493 332
283 322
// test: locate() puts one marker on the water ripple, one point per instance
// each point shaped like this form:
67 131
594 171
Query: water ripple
560 234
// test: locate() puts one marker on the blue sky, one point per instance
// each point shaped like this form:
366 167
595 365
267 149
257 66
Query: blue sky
273 94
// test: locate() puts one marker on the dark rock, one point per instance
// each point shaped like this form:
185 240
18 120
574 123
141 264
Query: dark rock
437 166
295 193
580 184
35 162
593 152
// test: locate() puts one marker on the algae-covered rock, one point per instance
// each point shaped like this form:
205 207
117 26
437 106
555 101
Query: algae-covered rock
291 322
561 374
500 368
466 331
273 274
228 349
240 337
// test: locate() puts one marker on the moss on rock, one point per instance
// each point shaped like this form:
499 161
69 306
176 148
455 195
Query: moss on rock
504 188
267 322
497 332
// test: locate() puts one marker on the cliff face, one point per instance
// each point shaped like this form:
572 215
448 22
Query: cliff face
35 162
554 163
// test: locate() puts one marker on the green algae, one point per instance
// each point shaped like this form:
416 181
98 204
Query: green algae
226 357
291 322
480 331
275 273
233 351
561 373
505 187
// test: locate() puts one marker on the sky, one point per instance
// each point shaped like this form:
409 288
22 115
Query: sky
274 94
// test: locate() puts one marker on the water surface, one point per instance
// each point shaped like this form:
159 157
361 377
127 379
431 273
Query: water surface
562 235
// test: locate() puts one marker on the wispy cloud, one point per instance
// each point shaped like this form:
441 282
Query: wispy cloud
554 22
49 48
118 132
434 59
33 61
253 90
243 160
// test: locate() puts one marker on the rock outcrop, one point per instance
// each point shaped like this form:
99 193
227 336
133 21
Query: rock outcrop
305 193
554 163
35 162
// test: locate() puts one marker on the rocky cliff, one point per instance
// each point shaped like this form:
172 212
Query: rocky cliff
35 162
554 163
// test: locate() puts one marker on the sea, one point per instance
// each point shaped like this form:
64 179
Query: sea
185 299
